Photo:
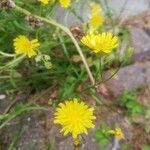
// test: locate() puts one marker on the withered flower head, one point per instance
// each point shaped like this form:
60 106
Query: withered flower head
6 4
33 21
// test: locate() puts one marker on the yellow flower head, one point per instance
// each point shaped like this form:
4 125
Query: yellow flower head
117 132
75 117
24 46
45 2
96 21
95 8
96 18
65 3
104 42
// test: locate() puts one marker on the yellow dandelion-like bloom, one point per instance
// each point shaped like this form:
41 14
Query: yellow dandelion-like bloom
117 132
96 21
75 117
95 8
24 46
96 18
104 42
65 3
45 2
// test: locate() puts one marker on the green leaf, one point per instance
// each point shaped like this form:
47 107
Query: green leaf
4 116
131 104
15 74
137 109
146 147
104 142
99 136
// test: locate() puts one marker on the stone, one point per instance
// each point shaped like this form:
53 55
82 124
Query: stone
141 43
129 78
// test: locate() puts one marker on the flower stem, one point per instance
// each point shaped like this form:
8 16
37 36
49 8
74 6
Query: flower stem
66 30
6 54
12 63
101 69
15 61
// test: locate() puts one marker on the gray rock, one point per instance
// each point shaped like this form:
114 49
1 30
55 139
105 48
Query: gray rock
140 40
141 43
130 78
128 7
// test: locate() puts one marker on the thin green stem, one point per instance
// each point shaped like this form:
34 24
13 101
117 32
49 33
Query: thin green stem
109 12
99 99
66 51
101 69
12 63
6 54
15 61
75 13
98 83
4 77
123 9
18 113
66 30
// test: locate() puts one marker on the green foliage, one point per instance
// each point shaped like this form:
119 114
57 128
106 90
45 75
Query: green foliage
15 139
130 102
146 147
3 116
126 57
58 48
102 136
60 71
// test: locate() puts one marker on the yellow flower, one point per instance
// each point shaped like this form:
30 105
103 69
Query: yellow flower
95 8
65 3
24 46
104 42
96 21
117 132
75 117
96 18
45 2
